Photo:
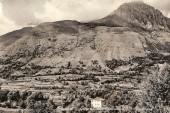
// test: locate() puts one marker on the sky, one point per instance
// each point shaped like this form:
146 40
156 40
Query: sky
15 14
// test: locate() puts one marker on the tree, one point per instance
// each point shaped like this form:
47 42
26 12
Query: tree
81 99
3 95
41 107
114 63
157 88
24 95
14 95
22 104
69 65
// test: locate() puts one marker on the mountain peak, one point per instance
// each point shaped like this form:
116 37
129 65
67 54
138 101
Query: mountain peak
142 14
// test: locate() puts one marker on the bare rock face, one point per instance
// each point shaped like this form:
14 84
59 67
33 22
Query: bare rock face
142 14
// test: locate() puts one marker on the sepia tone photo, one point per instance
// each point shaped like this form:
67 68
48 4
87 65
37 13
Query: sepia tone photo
84 56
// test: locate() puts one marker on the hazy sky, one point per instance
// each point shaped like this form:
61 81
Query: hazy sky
15 14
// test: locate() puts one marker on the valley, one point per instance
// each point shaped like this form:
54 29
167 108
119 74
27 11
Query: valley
116 64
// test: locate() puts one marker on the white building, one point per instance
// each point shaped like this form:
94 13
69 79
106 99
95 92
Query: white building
97 102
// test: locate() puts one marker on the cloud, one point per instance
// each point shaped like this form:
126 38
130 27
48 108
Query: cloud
22 11
81 10
6 25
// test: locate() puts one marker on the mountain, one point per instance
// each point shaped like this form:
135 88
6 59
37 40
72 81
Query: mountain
133 30
137 14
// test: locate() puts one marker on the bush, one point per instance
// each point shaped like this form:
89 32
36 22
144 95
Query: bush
115 63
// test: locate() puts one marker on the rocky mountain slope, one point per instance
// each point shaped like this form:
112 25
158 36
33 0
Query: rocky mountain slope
134 29
144 15
137 14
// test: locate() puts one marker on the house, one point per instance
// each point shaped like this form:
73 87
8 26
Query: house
97 102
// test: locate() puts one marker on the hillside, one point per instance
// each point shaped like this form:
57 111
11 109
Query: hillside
133 30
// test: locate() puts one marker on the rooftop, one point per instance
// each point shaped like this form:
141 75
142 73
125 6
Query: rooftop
98 98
